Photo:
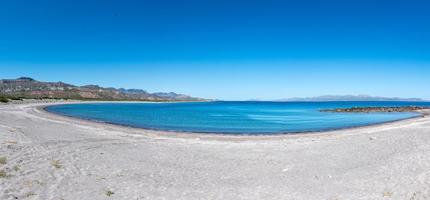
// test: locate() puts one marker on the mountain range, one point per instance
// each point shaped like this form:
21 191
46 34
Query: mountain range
26 87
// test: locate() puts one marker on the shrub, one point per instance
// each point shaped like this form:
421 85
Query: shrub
3 174
109 193
3 160
16 98
3 99
56 164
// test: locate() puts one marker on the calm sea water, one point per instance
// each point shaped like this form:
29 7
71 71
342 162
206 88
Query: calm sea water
233 117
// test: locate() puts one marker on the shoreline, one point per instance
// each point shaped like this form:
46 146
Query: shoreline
211 135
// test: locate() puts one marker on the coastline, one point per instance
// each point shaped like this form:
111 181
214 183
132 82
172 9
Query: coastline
422 113
47 156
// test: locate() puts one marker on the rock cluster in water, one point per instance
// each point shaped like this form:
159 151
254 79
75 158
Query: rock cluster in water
377 109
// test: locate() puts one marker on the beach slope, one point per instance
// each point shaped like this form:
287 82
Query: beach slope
45 156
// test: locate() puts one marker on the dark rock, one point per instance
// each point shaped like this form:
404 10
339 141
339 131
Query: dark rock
377 109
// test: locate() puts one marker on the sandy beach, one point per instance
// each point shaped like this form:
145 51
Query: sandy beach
46 156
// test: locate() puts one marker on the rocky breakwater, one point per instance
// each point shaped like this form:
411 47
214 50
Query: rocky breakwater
377 109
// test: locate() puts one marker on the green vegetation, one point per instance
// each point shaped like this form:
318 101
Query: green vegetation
29 194
3 160
109 193
56 164
16 98
3 99
3 174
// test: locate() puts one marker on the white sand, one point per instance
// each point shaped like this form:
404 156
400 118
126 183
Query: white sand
390 161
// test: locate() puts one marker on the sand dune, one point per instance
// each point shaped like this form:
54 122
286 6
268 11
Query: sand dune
44 156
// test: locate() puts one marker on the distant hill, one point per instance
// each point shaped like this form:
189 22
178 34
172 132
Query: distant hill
350 98
25 87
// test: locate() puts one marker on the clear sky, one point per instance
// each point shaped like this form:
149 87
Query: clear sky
233 50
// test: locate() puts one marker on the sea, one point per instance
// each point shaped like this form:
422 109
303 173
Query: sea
235 117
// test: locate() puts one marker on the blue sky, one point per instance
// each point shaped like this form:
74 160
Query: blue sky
232 50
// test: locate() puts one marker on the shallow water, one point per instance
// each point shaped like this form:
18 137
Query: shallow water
234 117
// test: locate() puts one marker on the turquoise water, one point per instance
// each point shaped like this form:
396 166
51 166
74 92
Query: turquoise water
233 117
